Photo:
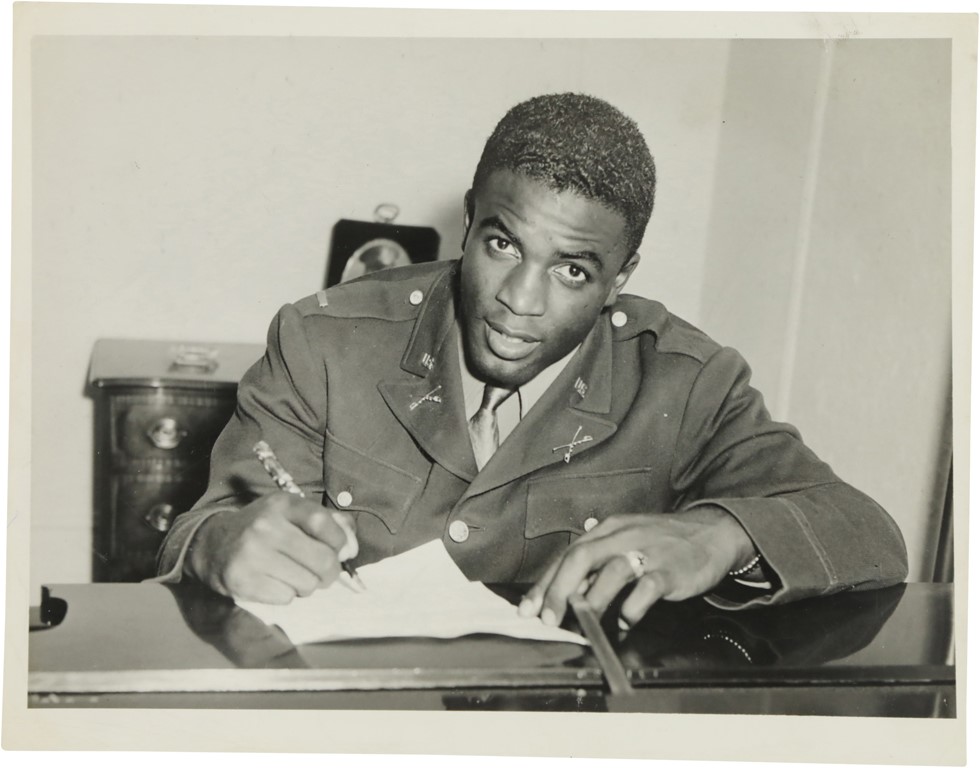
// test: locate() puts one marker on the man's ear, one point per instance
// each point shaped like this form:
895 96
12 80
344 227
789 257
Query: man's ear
467 216
620 280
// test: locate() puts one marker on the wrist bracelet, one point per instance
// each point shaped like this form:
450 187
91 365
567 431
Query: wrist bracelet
746 568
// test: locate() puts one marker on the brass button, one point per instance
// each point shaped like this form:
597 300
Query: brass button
459 531
589 524
619 319
415 298
345 499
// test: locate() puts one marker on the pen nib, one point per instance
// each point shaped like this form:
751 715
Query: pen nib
353 576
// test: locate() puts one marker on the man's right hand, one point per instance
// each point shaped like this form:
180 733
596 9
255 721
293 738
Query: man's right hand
279 546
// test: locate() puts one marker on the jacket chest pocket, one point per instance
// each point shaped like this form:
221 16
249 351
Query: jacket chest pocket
356 482
575 504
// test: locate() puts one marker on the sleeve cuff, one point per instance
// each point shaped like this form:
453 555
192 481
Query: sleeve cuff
174 574
757 587
773 531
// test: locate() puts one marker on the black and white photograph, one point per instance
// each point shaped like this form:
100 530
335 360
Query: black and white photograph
502 364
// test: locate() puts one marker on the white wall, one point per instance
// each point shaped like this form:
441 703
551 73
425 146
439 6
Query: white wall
881 243
185 188
828 263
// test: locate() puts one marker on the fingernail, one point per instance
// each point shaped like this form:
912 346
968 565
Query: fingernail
549 618
623 624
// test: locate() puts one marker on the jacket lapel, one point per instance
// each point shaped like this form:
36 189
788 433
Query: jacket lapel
429 402
570 419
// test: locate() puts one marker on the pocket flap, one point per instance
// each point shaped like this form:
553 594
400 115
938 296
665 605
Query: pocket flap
356 482
576 503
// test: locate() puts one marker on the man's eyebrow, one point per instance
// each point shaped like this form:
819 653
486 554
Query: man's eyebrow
590 256
494 222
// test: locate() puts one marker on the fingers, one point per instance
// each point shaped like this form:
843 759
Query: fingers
609 582
312 554
267 590
287 546
683 558
649 589
350 548
283 568
533 601
317 540
315 521
333 528
269 577
579 560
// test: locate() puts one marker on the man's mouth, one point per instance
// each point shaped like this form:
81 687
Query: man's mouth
509 344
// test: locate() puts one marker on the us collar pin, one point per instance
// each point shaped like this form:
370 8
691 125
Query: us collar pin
428 361
428 397
581 387
569 447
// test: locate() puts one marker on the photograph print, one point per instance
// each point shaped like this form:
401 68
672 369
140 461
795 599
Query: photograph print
564 373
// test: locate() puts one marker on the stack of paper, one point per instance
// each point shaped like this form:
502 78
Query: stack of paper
419 593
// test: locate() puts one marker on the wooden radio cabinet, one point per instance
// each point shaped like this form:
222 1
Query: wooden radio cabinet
159 407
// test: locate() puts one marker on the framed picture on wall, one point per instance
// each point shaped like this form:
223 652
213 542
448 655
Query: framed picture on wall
360 247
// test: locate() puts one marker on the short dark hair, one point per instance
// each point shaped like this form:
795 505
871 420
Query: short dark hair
578 142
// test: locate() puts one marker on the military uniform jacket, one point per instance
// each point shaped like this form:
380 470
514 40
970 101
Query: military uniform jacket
359 394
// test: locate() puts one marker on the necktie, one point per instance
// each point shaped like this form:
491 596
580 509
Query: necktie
484 433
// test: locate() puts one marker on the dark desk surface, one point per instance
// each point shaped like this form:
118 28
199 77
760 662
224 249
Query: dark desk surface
883 653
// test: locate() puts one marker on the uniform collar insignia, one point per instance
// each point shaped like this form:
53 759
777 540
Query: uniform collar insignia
571 446
428 397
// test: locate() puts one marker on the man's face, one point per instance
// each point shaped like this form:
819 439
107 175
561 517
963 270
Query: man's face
538 266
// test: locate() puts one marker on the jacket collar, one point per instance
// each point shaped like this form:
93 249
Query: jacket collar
429 403
435 319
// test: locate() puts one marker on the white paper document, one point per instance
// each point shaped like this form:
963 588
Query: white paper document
419 593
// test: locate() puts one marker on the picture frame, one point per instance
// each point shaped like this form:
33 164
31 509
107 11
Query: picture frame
358 247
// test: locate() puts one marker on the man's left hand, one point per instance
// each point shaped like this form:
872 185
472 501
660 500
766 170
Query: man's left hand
685 554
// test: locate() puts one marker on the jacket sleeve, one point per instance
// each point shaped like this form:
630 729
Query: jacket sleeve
282 399
816 533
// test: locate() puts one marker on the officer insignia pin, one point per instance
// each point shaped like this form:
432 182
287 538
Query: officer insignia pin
428 360
576 441
581 387
428 397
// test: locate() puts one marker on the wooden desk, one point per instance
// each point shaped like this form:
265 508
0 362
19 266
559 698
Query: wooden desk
886 653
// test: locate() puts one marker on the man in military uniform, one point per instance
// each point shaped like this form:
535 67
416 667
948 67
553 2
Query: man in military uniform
515 404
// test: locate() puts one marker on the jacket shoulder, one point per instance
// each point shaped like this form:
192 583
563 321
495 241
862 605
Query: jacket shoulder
673 334
390 294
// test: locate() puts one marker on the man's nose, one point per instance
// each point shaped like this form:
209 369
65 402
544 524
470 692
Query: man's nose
523 290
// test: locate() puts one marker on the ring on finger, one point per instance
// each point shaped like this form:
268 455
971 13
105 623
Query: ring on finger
637 562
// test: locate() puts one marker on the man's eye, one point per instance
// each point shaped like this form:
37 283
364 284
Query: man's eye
572 274
502 245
